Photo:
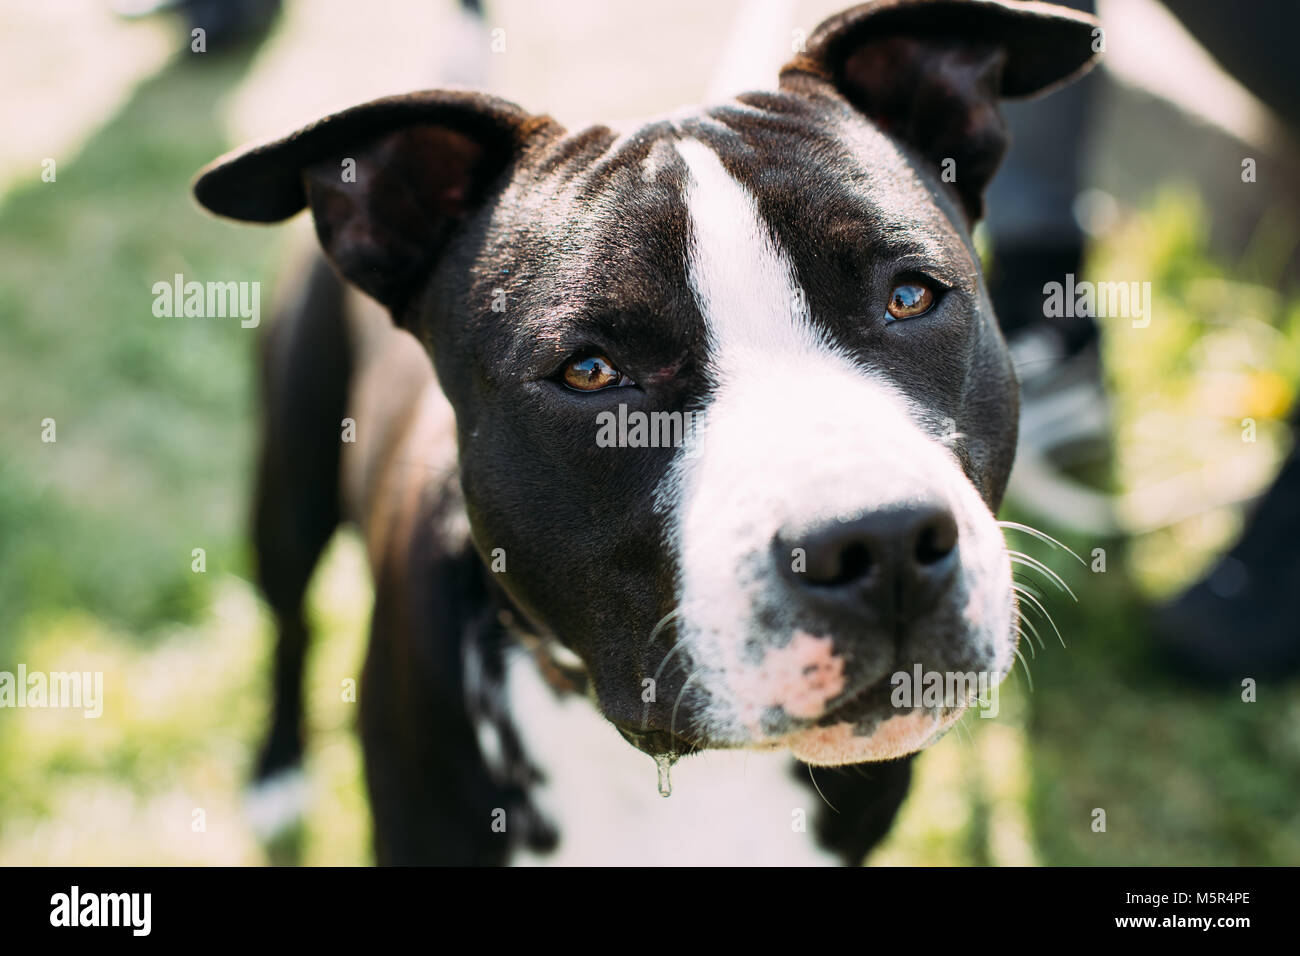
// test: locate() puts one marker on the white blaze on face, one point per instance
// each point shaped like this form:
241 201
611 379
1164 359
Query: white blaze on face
795 431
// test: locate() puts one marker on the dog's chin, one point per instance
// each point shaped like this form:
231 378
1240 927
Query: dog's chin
863 727
833 722
833 744
842 743
868 727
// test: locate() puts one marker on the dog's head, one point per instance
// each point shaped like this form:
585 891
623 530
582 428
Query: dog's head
729 391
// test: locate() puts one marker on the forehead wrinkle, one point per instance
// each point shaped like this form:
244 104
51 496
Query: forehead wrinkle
920 203
611 267
826 170
842 200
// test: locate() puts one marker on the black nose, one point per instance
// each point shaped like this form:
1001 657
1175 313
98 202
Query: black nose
893 564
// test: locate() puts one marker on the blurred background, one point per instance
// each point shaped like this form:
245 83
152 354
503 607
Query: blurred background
156 425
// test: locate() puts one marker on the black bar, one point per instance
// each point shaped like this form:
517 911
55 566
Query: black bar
931 908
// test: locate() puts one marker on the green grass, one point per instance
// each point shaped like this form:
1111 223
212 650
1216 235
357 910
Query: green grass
155 427
1185 776
152 415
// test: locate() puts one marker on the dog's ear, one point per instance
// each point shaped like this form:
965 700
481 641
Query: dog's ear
387 182
931 73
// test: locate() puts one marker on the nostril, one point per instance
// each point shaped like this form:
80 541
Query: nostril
854 563
888 566
936 540
879 551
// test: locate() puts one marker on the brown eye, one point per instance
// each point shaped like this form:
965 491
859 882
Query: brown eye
908 300
592 373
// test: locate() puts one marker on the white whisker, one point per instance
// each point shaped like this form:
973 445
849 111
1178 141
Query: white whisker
1020 557
1025 665
1027 595
1022 619
672 724
819 789
1042 536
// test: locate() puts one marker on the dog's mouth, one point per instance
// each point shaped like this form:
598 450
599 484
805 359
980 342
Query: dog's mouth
859 705
905 709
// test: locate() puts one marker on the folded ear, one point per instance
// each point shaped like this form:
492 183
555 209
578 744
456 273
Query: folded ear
931 73
387 181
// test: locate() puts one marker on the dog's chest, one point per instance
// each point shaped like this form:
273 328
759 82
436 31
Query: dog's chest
726 807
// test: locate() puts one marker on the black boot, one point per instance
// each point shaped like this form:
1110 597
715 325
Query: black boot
1243 618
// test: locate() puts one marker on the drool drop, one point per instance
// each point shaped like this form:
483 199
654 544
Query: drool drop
665 764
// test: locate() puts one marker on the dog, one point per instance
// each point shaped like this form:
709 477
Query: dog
785 287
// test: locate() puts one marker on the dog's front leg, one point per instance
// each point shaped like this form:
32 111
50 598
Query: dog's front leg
435 798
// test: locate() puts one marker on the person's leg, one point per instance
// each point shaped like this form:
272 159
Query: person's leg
1240 619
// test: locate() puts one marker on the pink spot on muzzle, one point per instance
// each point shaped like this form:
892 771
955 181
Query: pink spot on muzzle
802 677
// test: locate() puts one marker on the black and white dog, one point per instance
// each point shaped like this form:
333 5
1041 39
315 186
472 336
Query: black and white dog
790 274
